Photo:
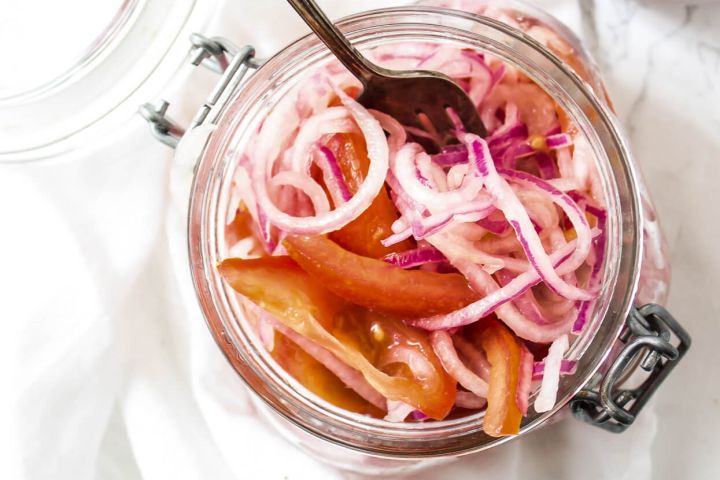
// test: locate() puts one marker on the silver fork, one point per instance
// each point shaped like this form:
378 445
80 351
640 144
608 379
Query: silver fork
412 97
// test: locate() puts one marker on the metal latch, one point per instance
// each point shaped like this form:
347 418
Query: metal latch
655 342
219 55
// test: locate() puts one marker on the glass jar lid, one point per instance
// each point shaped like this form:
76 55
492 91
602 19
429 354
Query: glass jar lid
76 71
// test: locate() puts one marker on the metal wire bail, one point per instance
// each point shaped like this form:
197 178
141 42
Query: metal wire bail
655 342
218 55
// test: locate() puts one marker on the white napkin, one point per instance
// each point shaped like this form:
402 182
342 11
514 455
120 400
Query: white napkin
229 417
108 368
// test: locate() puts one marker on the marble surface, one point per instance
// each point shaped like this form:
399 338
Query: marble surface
110 373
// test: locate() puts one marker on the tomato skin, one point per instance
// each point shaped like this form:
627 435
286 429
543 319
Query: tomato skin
283 289
378 285
364 234
503 351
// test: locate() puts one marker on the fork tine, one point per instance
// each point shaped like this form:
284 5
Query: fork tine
440 119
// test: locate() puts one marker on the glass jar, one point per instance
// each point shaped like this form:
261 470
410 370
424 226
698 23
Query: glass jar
621 334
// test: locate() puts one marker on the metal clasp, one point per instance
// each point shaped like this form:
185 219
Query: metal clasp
655 342
219 55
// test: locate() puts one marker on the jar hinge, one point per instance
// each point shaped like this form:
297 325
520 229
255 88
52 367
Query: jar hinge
655 342
218 55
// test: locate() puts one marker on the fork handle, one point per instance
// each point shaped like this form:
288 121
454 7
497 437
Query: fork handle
334 39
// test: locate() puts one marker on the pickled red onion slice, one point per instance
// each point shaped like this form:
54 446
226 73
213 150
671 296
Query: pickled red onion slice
377 147
545 400
469 400
518 218
415 258
525 376
334 179
518 214
445 350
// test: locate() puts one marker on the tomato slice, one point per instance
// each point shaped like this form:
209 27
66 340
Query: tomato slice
363 235
283 289
400 351
317 378
502 416
257 279
240 227
379 285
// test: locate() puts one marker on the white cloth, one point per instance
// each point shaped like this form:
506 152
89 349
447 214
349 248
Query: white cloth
109 371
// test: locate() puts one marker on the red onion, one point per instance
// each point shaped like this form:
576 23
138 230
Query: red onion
266 332
423 227
397 137
495 299
415 360
474 357
508 202
377 147
443 346
269 243
514 133
525 375
459 249
403 166
332 120
567 367
416 257
450 158
469 207
469 400
525 303
334 178
586 308
547 396
419 416
554 130
398 411
455 119
305 184
515 152
558 140
546 166
488 117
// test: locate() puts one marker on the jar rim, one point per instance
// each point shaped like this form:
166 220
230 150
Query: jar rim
463 435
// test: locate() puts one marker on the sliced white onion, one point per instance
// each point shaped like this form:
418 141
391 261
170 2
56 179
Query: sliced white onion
547 396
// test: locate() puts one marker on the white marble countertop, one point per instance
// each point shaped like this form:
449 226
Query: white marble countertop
100 363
